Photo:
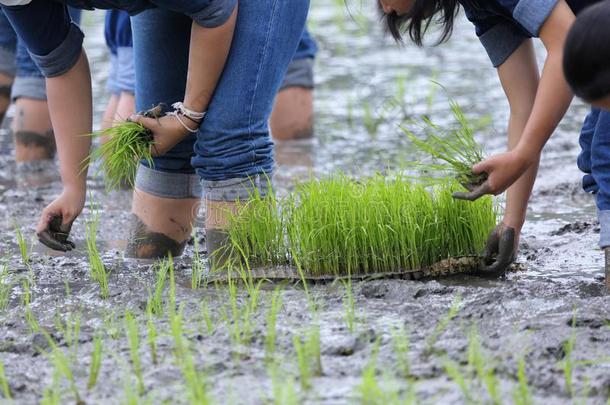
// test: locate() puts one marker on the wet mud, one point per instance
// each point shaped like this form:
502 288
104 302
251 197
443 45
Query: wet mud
553 317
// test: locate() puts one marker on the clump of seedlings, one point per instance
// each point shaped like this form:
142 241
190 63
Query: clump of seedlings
96 362
96 265
450 154
5 286
338 226
126 144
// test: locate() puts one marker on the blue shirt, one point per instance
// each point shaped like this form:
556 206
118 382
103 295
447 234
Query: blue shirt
502 25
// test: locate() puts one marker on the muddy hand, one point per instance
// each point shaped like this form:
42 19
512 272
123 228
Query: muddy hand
499 253
474 191
55 235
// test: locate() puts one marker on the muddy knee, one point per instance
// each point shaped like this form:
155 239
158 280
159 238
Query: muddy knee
146 244
42 144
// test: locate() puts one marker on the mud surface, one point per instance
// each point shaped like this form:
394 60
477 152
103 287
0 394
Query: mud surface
530 315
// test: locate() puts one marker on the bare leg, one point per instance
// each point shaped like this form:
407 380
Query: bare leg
161 225
292 116
33 131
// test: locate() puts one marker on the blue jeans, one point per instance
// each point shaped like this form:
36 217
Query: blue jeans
594 161
233 143
16 61
55 44
117 32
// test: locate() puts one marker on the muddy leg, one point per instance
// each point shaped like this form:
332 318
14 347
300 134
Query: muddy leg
160 226
32 131
216 224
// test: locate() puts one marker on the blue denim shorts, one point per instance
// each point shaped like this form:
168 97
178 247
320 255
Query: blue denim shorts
55 43
122 75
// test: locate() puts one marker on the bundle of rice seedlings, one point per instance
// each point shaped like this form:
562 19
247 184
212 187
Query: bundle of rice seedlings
452 153
338 226
126 144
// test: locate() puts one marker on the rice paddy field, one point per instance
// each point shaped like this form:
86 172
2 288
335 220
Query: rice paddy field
91 327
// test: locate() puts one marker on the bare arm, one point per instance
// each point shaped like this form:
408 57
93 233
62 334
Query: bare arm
552 100
208 54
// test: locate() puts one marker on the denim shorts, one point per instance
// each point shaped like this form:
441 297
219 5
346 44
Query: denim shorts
121 77
55 43
16 61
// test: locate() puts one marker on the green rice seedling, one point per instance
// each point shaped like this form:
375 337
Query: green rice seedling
307 351
6 390
155 300
96 362
284 390
207 317
271 336
370 121
5 286
152 334
196 381
127 143
349 305
462 379
370 390
197 266
442 324
69 330
452 154
96 266
23 246
132 333
257 232
52 393
521 394
239 316
63 365
483 367
401 344
567 364
26 300
111 326
171 298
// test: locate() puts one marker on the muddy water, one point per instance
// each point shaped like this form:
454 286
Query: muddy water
527 316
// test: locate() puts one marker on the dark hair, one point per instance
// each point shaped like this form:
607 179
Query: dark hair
586 56
417 21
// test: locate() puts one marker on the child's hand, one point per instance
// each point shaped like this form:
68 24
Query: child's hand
502 171
167 131
56 220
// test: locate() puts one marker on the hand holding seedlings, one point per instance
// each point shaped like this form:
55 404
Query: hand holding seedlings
57 218
169 129
502 171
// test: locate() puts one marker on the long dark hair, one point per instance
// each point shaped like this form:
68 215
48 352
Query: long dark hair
417 21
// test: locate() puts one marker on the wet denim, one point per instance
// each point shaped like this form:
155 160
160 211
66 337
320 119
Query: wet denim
55 44
15 61
117 32
594 161
233 141
502 25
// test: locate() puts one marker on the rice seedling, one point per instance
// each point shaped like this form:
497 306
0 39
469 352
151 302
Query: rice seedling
271 336
284 390
401 344
23 246
63 366
127 143
69 330
195 380
567 364
521 394
5 286
370 390
349 305
96 362
6 390
452 154
152 334
171 296
26 300
442 324
155 300
96 266
111 326
456 375
132 333
307 350
338 226
485 371
207 317
52 393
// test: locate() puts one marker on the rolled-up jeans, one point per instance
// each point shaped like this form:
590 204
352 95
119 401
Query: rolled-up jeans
16 61
232 152
594 161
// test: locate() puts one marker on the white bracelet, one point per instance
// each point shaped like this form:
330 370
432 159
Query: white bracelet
180 109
